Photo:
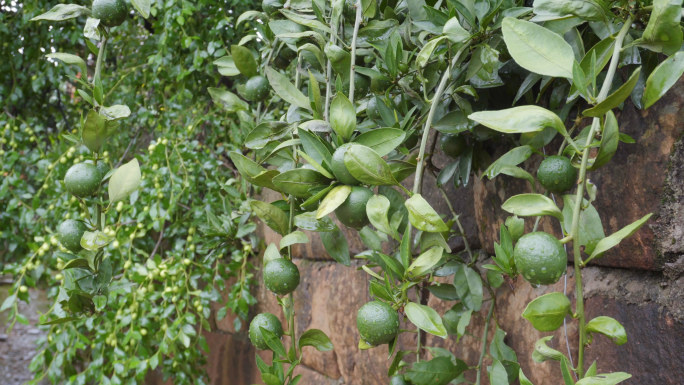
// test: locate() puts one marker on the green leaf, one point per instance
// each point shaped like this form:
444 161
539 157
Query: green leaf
253 172
274 217
613 100
293 238
317 339
94 131
426 52
542 352
244 60
226 99
115 112
468 286
308 221
286 90
532 205
518 120
454 32
342 117
273 342
333 200
610 137
425 318
546 313
226 66
425 262
614 239
663 32
377 209
437 371
381 140
609 327
299 182
69 59
367 166
314 147
60 321
663 77
336 245
497 373
423 216
537 49
142 6
445 292
590 226
100 302
498 348
124 181
512 158
62 12
566 371
523 378
266 132
590 10
605 379
95 240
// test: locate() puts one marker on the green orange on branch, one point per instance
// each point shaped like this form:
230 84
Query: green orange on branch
540 258
557 174
69 233
352 212
378 323
110 12
281 276
267 321
339 169
82 179
256 88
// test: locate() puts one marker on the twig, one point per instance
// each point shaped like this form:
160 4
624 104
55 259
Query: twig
161 236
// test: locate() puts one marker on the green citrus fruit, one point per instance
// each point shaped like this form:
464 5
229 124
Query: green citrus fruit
69 234
110 12
377 322
452 145
397 380
267 321
256 88
556 174
352 212
540 258
82 179
380 84
338 167
271 6
281 276
284 58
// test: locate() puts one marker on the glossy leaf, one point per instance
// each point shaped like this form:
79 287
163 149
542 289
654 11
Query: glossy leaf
590 226
62 12
286 90
614 239
512 158
317 339
616 98
336 245
663 77
426 52
423 216
244 60
610 137
605 379
94 131
590 10
437 371
381 140
342 116
523 378
115 112
333 200
518 120
226 99
124 181
497 373
469 287
454 32
293 238
537 49
274 217
377 210
142 6
299 182
226 66
546 313
69 59
425 318
367 166
663 32
609 327
542 352
425 262
532 205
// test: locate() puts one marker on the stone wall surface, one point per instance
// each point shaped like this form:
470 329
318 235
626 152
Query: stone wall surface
639 283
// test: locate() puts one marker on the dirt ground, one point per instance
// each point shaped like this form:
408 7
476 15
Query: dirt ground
18 347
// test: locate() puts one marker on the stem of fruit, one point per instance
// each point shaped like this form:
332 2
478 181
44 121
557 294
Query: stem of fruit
352 67
483 345
290 313
574 233
328 72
